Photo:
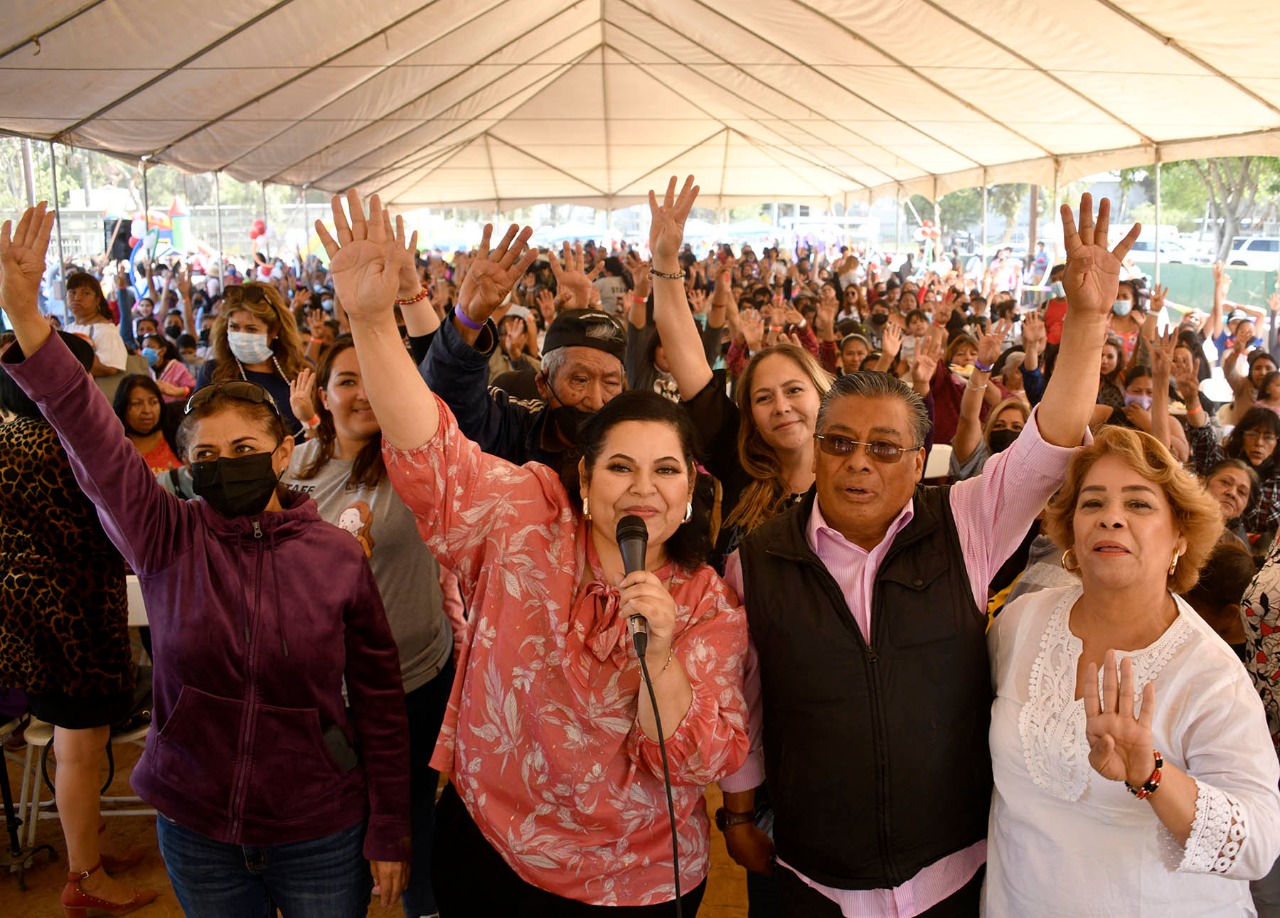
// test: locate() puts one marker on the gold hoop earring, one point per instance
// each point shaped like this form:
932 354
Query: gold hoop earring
688 512
586 509
1065 565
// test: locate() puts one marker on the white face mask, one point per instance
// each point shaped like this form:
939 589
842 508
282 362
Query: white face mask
249 347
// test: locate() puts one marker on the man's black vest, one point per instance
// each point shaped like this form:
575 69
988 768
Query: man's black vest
876 757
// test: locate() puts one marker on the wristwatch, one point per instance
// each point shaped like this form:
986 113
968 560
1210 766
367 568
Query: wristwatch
727 819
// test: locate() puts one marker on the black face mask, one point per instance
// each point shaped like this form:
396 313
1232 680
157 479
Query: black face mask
172 331
204 337
567 421
1000 440
236 486
879 319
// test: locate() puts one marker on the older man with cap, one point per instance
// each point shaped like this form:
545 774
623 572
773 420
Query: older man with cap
871 694
581 370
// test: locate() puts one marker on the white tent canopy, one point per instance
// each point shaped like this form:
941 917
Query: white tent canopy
499 103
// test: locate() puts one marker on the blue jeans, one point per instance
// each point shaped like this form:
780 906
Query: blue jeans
425 706
323 878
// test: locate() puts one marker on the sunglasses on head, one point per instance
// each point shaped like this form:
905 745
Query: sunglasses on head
240 389
879 450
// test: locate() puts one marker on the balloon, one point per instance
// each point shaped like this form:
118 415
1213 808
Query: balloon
259 229
133 240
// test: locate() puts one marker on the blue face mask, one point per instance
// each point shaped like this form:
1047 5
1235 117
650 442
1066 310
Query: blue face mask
1121 307
1142 401
151 355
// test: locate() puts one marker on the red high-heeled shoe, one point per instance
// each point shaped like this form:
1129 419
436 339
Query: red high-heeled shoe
76 903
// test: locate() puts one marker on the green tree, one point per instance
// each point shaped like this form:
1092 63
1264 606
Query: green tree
1239 188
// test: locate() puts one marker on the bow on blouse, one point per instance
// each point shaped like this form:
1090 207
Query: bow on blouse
599 623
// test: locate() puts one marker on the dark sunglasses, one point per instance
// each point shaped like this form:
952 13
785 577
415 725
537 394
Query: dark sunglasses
240 389
879 450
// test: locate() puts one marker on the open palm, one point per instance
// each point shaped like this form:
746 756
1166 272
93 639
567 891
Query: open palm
22 252
362 259
666 225
1120 744
494 272
1092 276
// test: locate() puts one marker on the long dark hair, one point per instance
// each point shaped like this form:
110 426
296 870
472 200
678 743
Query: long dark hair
690 543
367 470
1254 418
166 416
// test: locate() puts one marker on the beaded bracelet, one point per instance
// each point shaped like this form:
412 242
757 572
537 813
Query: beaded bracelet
466 320
421 295
1152 783
656 273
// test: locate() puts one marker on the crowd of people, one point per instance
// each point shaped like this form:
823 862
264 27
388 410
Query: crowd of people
372 505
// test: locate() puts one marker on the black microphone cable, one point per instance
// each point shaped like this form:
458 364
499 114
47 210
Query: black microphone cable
641 641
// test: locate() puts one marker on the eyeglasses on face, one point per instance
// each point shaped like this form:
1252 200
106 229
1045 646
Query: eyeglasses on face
237 388
879 450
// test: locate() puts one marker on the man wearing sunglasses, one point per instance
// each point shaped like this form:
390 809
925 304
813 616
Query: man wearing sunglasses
870 690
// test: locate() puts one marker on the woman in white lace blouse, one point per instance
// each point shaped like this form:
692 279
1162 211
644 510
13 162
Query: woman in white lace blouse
1177 721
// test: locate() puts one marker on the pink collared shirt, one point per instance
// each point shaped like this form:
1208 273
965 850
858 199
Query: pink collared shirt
992 514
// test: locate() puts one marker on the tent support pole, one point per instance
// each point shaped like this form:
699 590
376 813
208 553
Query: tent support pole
62 259
146 200
263 186
217 213
1057 208
306 230
28 172
897 220
1158 170
985 187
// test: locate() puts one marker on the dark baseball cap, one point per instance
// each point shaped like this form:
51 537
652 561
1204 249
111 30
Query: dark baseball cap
586 328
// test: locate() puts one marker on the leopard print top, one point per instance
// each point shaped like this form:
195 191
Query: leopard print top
63 608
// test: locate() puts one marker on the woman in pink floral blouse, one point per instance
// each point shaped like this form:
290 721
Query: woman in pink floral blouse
556 803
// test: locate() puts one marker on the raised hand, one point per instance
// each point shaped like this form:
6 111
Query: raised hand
698 301
990 345
361 258
410 283
315 321
1221 279
891 340
22 252
184 281
1158 295
302 395
753 330
572 280
925 363
1120 745
666 223
641 280
492 274
824 320
1092 276
1162 356
546 304
1034 335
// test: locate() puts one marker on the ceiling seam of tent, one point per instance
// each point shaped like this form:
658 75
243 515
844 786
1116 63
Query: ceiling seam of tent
1142 135
303 75
787 96
35 37
440 163
493 175
143 87
822 163
724 166
845 89
453 105
554 168
817 163
433 162
663 165
772 155
546 79
1170 42
924 79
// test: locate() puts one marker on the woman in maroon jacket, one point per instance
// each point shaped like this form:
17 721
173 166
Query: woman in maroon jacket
260 612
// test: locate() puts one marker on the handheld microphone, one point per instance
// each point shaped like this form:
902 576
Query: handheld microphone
633 541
